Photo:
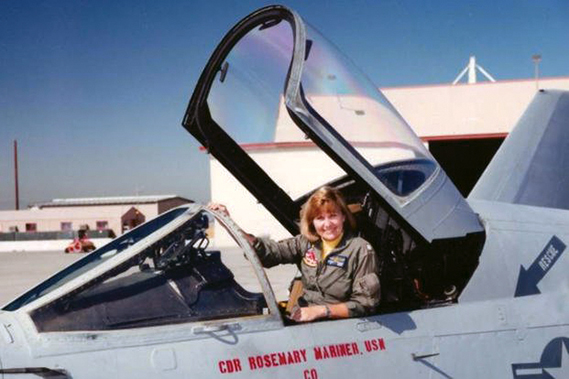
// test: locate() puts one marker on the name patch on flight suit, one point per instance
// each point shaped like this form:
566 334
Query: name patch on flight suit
337 261
310 258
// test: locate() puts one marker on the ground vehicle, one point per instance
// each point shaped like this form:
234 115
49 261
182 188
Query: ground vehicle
461 277
81 244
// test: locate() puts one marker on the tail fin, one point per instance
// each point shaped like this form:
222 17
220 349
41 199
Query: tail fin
532 165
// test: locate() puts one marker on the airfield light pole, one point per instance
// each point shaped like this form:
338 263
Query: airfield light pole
16 174
536 58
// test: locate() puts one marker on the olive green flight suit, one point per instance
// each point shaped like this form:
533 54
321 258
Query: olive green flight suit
347 275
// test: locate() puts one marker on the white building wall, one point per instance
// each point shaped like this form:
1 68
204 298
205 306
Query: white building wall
296 170
50 219
482 108
243 207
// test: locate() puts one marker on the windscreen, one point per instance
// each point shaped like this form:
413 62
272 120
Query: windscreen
356 109
96 258
176 278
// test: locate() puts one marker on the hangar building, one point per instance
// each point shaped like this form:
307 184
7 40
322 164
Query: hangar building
462 125
118 214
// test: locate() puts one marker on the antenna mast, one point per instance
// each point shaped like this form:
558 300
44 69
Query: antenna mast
471 68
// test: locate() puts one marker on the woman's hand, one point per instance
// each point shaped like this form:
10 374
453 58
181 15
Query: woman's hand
315 312
223 210
311 313
219 208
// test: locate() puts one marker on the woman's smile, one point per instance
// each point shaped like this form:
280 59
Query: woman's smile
329 225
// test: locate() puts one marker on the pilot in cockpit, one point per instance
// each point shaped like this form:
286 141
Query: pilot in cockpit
339 270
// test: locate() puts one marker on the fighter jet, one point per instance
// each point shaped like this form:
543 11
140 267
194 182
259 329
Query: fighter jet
471 288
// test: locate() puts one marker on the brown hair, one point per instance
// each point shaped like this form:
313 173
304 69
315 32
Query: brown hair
324 198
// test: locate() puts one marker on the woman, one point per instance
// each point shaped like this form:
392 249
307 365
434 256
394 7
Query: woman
339 269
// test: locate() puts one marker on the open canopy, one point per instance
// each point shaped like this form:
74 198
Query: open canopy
274 78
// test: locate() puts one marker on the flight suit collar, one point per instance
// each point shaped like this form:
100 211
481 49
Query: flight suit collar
341 245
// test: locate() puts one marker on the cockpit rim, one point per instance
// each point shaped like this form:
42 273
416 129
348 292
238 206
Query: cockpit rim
131 252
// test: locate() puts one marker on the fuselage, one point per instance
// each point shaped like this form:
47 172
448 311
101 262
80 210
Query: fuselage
489 328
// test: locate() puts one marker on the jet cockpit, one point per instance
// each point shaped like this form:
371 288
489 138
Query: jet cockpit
274 79
163 272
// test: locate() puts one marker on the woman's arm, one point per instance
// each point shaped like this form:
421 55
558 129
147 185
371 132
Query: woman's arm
317 312
223 210
366 292
271 253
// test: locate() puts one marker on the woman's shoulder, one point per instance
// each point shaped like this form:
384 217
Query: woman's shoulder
299 241
303 241
360 243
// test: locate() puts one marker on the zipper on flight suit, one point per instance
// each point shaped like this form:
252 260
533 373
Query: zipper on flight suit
319 267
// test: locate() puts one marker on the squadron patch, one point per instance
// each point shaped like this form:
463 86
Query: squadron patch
337 261
310 258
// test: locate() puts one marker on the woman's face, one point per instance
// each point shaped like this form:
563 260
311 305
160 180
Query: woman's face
329 223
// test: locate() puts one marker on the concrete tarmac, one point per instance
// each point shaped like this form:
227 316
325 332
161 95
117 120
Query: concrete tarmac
20 271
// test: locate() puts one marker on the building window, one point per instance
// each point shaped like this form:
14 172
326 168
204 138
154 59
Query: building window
31 227
66 226
102 225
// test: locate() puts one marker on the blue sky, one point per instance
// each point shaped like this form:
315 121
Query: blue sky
94 91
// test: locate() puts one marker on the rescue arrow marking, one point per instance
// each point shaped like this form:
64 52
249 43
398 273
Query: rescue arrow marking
528 279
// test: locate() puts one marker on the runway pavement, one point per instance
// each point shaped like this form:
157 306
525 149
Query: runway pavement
20 271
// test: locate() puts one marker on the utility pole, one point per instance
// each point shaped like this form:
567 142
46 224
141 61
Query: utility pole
16 174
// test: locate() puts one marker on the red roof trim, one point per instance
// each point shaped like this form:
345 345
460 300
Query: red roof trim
463 137
310 144
272 145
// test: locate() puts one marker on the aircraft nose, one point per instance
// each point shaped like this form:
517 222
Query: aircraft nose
2 347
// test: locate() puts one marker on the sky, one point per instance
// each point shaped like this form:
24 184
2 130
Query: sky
95 91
